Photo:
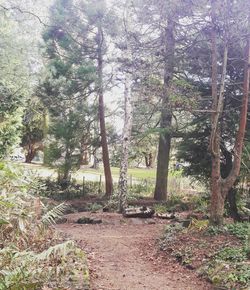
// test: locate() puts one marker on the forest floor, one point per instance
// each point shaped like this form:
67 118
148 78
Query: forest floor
123 255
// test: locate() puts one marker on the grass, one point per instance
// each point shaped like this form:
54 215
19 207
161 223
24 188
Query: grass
44 171
138 173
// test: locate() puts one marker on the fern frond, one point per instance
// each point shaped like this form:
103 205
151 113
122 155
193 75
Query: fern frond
60 250
53 215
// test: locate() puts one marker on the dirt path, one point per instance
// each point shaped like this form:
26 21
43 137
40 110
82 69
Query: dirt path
122 255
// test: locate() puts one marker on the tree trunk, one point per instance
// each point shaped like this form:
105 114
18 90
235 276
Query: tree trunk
30 154
146 160
84 154
67 166
219 186
166 115
217 198
149 159
225 171
104 143
239 142
217 207
123 180
233 210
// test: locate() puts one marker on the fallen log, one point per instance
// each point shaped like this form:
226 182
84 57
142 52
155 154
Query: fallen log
139 212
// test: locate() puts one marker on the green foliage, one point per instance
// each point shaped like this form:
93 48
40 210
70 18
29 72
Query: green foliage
240 230
181 202
31 256
231 254
13 84
34 127
229 268
214 230
67 82
50 217
170 235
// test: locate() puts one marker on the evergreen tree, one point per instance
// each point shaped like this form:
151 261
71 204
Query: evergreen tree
68 81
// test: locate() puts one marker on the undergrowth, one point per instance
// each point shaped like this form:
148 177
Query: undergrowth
225 250
31 255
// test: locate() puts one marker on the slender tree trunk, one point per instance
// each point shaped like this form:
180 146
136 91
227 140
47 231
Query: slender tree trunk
104 143
123 180
67 166
166 116
146 160
217 201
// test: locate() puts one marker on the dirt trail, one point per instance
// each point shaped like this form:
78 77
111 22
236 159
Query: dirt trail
122 255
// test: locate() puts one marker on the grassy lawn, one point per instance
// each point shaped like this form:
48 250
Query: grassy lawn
44 171
138 173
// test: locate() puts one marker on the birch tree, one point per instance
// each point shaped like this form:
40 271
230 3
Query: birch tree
128 113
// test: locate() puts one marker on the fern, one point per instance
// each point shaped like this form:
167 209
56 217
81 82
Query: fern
54 214
60 250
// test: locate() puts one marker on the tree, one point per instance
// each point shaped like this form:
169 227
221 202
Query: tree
166 115
67 83
105 152
221 186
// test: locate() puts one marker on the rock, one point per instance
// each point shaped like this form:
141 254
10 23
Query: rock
185 223
151 222
141 212
87 220
106 209
167 216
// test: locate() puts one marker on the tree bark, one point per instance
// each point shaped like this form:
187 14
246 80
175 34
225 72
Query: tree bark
225 171
166 115
217 201
104 143
123 180
233 210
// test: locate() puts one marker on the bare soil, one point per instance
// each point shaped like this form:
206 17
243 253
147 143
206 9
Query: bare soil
122 254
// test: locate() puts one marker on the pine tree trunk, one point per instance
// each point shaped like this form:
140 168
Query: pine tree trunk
104 143
123 180
166 116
